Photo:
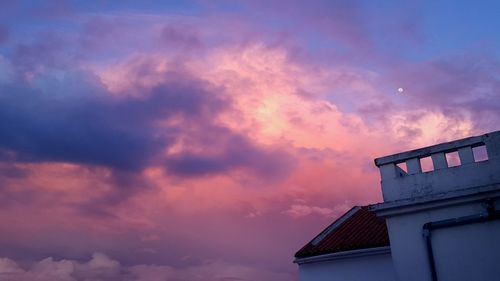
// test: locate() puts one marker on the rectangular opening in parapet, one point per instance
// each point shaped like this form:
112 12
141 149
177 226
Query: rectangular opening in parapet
480 153
426 164
453 159
403 170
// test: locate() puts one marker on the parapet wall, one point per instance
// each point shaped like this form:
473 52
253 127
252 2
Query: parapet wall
400 182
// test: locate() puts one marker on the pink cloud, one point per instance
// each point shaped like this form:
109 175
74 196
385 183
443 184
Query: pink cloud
193 165
297 211
101 267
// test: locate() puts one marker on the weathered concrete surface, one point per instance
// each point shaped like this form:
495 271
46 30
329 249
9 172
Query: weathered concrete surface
397 185
414 198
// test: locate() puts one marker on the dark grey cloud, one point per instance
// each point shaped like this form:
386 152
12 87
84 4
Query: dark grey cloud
181 35
88 126
234 151
39 127
67 115
4 34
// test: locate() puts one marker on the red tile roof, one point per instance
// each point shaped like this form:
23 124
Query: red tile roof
357 229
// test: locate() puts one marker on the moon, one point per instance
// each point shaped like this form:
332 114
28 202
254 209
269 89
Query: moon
400 90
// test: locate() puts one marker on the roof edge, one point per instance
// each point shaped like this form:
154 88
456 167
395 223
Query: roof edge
334 225
440 200
344 255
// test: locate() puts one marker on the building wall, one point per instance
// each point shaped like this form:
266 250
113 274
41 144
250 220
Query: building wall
475 250
467 252
366 268
413 198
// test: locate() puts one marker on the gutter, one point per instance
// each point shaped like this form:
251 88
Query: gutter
490 215
344 255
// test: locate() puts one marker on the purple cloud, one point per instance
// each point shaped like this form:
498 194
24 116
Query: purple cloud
235 151
4 34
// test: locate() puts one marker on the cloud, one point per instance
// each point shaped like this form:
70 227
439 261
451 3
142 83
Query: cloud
82 127
101 267
166 118
8 266
75 119
218 138
157 137
181 35
298 210
457 84
4 34
233 151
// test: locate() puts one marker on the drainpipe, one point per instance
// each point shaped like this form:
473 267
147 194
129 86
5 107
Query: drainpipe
490 215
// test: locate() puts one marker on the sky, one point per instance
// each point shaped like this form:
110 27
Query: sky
211 140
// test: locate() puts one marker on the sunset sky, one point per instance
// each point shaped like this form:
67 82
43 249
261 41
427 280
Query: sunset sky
210 140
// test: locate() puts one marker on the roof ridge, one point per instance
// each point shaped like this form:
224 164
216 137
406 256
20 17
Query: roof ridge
358 228
335 225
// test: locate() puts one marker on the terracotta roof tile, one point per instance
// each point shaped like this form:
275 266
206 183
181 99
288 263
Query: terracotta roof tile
357 229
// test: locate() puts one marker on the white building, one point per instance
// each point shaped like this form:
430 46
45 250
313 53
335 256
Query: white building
442 219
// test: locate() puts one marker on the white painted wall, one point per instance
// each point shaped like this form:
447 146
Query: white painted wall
441 181
398 185
366 268
469 252
462 253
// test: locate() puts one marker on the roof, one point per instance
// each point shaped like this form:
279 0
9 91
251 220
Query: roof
357 229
